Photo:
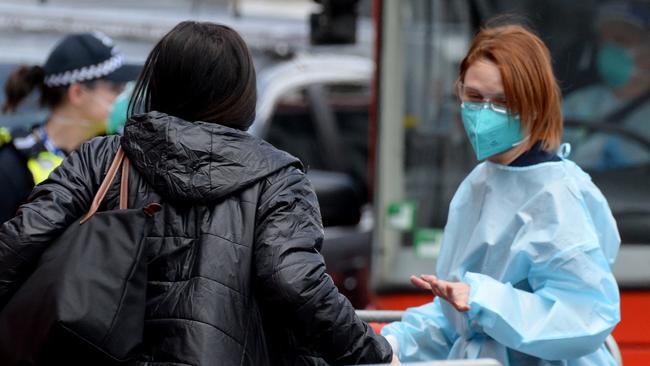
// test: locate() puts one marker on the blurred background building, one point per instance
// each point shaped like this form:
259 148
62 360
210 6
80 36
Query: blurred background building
31 27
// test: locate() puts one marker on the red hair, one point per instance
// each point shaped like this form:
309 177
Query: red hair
529 84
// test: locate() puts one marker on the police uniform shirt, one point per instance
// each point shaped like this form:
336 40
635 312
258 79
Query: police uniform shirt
24 162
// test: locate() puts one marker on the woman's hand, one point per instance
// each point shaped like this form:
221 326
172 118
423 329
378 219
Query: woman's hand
456 293
395 361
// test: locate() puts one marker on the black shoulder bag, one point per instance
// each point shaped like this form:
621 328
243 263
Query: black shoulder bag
85 301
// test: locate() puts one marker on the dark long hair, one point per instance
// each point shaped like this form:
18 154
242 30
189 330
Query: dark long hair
23 81
199 71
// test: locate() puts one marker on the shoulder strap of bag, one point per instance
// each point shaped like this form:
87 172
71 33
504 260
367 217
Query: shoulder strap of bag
108 180
124 184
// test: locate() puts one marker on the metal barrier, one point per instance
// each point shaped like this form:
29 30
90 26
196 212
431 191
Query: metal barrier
380 316
481 362
387 316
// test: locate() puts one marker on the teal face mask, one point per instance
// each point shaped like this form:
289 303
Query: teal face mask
117 117
490 132
615 64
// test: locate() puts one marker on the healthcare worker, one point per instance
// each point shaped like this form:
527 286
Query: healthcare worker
621 95
78 83
524 274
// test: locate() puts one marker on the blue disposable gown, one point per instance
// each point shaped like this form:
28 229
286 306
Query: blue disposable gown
536 244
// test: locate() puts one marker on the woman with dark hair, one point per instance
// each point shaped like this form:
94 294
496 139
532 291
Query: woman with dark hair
235 274
81 77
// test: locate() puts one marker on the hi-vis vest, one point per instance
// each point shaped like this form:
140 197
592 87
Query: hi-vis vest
40 164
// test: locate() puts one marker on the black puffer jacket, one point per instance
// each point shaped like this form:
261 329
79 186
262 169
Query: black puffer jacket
235 274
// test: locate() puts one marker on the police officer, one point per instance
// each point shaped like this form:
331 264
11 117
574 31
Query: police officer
78 83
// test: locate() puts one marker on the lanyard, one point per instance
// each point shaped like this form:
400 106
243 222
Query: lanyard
48 143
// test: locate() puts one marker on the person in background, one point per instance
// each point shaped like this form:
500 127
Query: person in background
622 94
524 274
235 274
81 77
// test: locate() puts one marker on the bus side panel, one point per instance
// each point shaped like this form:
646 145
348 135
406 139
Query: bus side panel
632 333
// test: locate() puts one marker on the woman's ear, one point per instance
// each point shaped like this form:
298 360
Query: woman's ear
75 94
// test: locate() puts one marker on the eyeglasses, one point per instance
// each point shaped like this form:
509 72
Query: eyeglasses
472 99
486 104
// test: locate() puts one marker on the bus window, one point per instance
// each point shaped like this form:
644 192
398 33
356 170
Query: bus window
606 124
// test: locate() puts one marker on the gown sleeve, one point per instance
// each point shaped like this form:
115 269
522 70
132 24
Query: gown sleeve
423 334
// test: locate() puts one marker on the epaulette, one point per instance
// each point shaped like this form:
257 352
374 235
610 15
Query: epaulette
24 141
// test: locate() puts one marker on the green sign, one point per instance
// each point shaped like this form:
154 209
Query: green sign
427 242
401 215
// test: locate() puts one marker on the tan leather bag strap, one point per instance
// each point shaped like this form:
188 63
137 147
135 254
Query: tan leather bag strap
108 180
124 185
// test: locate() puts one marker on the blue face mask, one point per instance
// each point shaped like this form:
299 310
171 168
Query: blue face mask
118 116
615 64
490 132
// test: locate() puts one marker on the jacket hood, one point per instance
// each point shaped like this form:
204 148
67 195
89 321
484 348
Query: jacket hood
198 162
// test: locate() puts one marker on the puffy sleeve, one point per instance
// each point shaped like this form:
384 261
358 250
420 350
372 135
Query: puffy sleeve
292 278
574 303
52 206
423 334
